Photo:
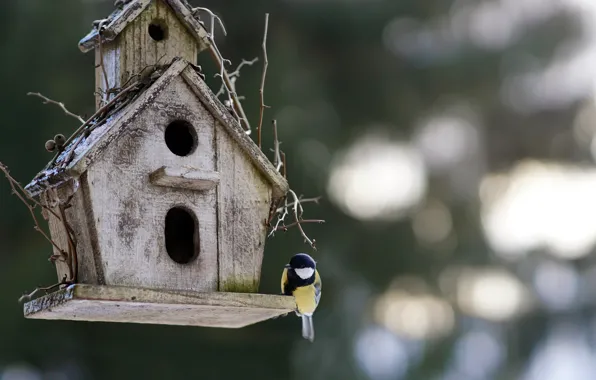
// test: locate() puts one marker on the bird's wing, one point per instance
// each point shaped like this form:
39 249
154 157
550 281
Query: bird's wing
284 280
317 284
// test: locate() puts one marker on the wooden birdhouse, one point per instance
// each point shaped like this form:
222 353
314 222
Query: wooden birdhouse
162 196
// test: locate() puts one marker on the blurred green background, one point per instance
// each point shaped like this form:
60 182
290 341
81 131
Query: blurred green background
453 144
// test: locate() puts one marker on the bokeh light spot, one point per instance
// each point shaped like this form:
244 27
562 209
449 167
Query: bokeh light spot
377 179
540 205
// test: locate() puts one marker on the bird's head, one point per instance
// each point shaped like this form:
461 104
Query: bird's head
303 265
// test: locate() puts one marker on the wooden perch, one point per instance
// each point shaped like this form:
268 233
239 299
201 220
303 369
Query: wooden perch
184 178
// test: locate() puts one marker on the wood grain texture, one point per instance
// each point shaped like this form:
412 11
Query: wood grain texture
133 50
76 218
137 305
130 212
243 200
184 178
120 19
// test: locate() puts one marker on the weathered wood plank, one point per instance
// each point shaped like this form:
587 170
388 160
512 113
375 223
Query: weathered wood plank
243 201
119 20
76 218
130 212
137 305
133 50
184 178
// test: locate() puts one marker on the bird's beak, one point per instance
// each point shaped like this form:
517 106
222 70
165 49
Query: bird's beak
287 266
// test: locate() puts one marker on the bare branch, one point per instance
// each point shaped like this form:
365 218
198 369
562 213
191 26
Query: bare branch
103 69
236 108
297 218
18 190
47 100
277 161
286 226
73 265
262 89
281 218
235 74
302 201
28 297
214 18
283 159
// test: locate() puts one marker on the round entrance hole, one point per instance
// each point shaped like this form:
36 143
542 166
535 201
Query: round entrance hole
157 31
181 138
182 235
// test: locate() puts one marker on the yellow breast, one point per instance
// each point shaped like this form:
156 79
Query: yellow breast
306 299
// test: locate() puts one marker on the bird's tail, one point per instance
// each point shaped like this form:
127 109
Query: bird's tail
308 328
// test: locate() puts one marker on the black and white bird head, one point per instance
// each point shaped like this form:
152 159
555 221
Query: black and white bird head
303 265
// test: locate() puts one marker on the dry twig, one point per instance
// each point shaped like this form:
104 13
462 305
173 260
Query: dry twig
233 99
31 203
214 18
262 89
234 75
303 201
18 190
286 226
277 161
47 100
298 220
103 69
29 296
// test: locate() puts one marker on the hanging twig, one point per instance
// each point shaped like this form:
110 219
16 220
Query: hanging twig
262 89
286 226
277 162
281 219
18 190
233 99
47 100
72 246
302 201
234 75
283 159
103 69
214 18
28 297
297 218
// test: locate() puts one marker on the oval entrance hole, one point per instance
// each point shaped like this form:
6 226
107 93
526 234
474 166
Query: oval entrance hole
181 138
182 235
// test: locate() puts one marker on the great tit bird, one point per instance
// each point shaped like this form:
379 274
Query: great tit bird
301 279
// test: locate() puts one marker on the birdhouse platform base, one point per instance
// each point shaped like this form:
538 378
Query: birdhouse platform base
99 303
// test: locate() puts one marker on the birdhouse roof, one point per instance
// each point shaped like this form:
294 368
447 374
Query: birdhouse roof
86 147
127 13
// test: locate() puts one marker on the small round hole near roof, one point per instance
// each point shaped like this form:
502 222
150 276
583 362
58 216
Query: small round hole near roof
181 138
158 30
